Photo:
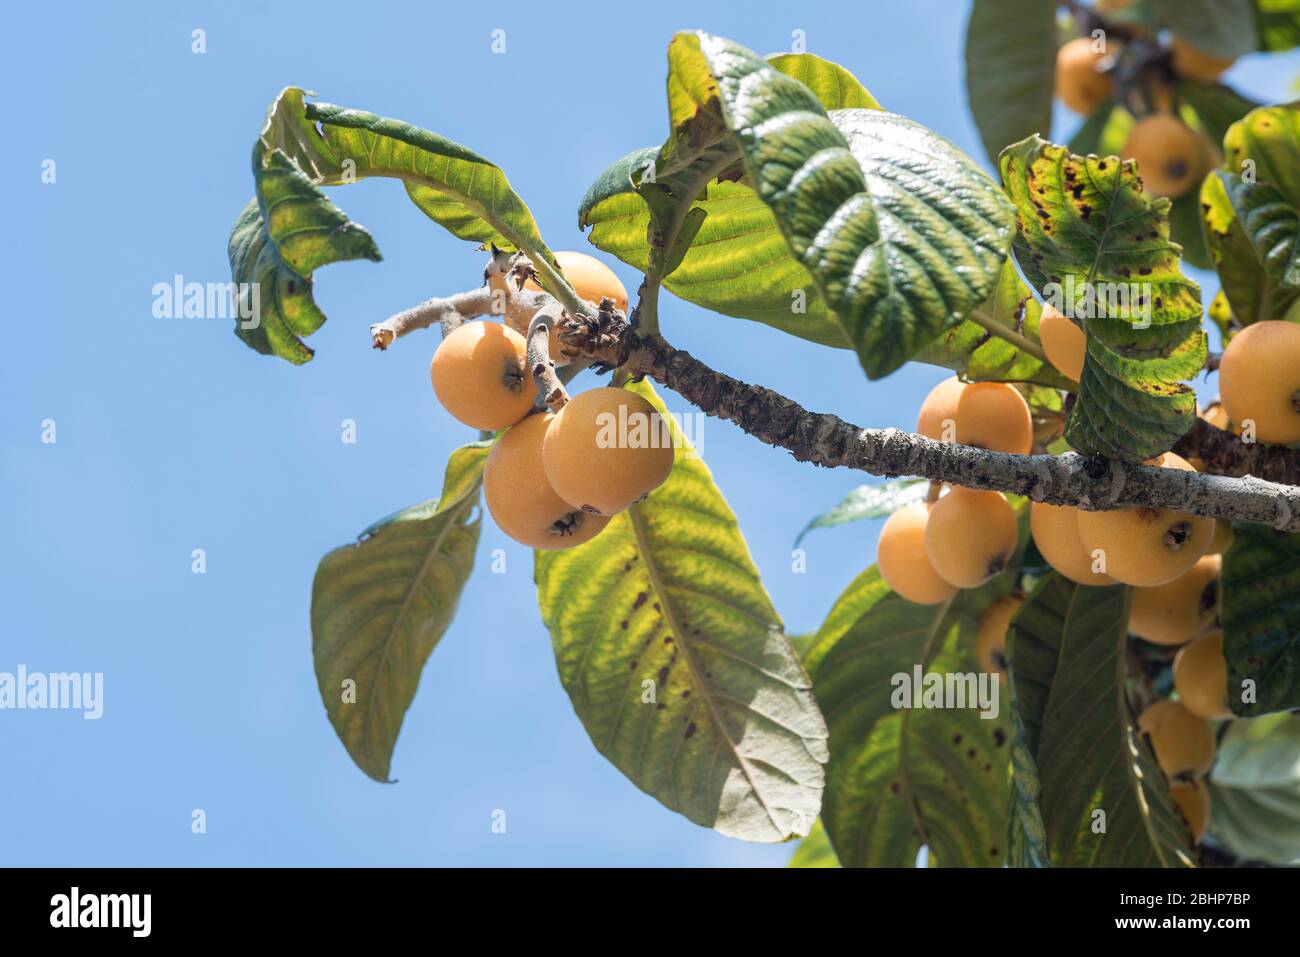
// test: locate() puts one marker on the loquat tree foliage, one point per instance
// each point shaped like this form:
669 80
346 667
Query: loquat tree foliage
1062 521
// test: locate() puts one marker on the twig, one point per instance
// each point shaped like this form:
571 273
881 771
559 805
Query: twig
827 440
550 390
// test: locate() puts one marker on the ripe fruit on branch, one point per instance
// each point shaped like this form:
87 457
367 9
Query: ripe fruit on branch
1193 799
1064 343
902 561
592 280
1170 155
1259 380
1183 742
1201 677
1178 611
1197 64
1222 539
1079 82
1147 546
988 415
606 449
991 634
521 499
480 375
970 536
1056 533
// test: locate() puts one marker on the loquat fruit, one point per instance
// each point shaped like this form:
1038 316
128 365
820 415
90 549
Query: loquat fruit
520 497
1259 380
1183 742
1064 342
592 280
970 536
1222 539
480 375
606 449
991 634
1197 64
1178 611
1079 83
987 415
1193 799
1056 533
1201 677
1169 154
901 558
1147 546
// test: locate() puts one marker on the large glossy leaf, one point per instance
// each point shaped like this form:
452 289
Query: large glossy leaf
899 779
1010 59
1084 223
1251 294
676 664
1222 28
277 243
869 501
903 778
1255 789
835 87
306 145
978 347
1261 619
737 263
885 223
1271 224
1103 800
380 606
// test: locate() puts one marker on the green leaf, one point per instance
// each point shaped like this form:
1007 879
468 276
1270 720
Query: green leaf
1222 28
380 606
978 353
920 243
1066 650
1278 22
869 501
815 850
1026 832
1255 789
1271 224
1251 294
835 87
276 244
1010 62
1261 618
676 664
1266 142
737 262
1084 223
901 778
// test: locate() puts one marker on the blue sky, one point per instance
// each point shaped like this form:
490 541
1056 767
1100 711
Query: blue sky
171 435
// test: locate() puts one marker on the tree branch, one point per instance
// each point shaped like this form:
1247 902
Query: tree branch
829 441
1243 481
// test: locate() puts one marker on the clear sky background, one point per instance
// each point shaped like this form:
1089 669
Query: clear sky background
172 435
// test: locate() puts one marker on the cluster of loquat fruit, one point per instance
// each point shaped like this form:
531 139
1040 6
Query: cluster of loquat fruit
928 551
552 480
1172 157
